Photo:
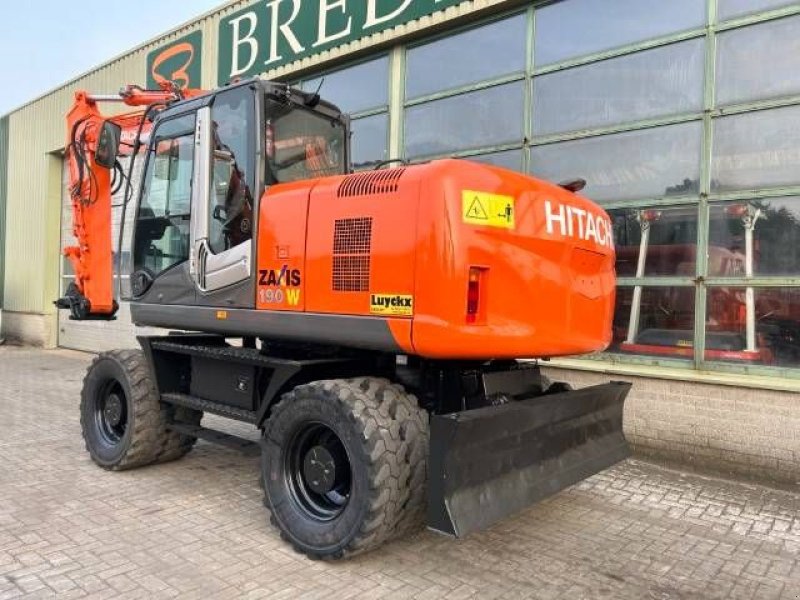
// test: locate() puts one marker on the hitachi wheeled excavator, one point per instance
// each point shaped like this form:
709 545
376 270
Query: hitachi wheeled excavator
370 324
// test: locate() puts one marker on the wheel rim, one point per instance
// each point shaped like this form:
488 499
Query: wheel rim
318 472
111 413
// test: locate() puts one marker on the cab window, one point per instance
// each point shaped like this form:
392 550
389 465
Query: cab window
161 238
302 144
233 170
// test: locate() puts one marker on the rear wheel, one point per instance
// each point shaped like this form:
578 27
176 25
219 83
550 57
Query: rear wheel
343 465
124 424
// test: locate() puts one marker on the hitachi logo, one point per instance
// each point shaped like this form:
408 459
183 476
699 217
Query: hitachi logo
578 223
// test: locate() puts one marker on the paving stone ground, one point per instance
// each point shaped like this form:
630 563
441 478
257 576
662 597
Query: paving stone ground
196 528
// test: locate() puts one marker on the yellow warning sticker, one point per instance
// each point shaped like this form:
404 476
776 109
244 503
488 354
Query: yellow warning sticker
398 305
482 208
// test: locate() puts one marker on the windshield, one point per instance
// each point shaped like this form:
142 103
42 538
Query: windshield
303 144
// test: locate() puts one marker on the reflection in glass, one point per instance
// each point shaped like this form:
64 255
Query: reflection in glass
655 242
356 88
655 321
484 53
759 62
757 150
510 159
774 226
648 163
575 28
475 120
736 8
230 208
660 82
303 144
774 318
161 239
369 140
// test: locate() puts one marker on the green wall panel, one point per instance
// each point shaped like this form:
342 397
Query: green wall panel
270 34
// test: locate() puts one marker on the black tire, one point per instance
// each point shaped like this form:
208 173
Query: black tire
177 445
414 442
555 387
122 420
378 488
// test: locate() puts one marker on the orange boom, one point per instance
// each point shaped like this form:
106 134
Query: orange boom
369 324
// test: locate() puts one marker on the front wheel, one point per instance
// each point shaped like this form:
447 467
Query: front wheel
123 422
343 465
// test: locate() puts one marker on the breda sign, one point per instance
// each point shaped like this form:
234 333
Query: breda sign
180 61
271 33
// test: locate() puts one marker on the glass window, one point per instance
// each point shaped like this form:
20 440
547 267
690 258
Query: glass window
233 170
670 241
648 163
162 228
736 8
356 88
370 136
759 62
665 326
757 150
302 144
573 28
478 119
479 54
509 159
660 82
774 225
776 319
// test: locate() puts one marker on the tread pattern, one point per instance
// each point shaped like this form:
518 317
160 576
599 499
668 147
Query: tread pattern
411 440
394 432
150 441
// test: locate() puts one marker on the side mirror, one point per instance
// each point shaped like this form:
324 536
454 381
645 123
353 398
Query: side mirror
108 145
573 185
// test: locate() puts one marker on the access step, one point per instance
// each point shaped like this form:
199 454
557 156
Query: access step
216 408
240 444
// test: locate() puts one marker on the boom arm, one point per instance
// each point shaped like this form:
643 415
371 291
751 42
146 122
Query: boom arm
91 296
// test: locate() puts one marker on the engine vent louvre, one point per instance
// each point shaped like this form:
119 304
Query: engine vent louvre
384 181
352 246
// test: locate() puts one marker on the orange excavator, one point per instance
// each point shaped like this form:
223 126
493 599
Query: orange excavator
370 324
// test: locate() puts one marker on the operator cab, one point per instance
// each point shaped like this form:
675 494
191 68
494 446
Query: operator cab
209 160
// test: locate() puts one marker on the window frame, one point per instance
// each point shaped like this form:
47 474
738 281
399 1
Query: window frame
143 186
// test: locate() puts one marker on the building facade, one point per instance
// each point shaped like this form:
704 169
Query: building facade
683 117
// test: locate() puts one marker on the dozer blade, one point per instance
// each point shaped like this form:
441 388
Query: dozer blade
488 463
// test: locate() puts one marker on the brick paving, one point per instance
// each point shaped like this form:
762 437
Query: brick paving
196 528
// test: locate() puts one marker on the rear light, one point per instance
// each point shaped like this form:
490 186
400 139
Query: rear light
737 210
651 216
474 294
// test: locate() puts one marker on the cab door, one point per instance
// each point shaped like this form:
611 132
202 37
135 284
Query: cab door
224 200
161 247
